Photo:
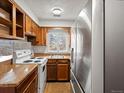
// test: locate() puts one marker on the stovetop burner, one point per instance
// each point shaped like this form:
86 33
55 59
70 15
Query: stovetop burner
37 61
27 58
27 61
33 58
36 58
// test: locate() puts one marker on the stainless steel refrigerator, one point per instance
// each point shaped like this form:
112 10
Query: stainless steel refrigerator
104 36
114 46
81 50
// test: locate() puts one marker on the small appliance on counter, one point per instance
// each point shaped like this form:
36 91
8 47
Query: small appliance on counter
5 58
25 57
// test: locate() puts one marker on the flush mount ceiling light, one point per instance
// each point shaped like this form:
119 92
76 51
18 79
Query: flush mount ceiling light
57 11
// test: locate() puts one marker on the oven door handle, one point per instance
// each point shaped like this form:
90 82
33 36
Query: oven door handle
43 68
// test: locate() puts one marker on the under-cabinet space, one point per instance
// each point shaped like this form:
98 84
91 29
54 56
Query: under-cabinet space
31 39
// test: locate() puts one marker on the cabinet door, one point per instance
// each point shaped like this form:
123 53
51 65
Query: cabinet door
44 31
32 88
28 24
29 85
51 72
38 36
34 27
62 72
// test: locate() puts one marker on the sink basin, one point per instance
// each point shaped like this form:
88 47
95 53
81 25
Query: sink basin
57 56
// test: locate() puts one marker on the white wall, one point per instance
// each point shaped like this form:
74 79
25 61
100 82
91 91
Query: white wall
25 7
43 22
60 23
97 46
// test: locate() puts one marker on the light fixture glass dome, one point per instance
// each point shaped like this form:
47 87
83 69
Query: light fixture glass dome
57 11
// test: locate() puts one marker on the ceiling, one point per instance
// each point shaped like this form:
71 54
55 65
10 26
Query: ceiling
42 8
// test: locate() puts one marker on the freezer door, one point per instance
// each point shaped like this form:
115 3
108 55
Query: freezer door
114 46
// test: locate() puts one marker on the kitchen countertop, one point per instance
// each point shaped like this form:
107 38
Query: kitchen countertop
5 58
57 53
53 56
48 53
13 75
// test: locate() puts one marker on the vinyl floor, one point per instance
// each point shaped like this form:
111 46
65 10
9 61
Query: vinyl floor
58 87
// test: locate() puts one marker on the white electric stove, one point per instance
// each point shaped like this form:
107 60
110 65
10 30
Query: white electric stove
25 57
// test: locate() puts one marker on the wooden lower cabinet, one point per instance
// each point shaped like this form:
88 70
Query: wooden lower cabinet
58 70
28 85
62 72
31 88
51 72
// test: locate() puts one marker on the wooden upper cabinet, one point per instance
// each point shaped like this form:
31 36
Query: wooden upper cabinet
34 28
11 20
20 23
28 24
43 34
6 18
44 31
38 36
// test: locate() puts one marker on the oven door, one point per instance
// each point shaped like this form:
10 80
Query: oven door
41 78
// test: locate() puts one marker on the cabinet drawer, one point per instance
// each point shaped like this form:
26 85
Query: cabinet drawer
63 61
51 61
32 88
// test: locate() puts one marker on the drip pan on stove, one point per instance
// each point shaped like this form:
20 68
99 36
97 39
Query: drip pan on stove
36 61
28 61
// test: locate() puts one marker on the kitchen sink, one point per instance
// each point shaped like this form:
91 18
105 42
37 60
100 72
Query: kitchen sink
57 56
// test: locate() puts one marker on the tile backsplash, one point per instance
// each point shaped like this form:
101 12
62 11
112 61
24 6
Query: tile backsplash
43 49
20 45
39 49
8 46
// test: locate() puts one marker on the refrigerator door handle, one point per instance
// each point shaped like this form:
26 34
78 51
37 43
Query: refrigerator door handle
72 54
